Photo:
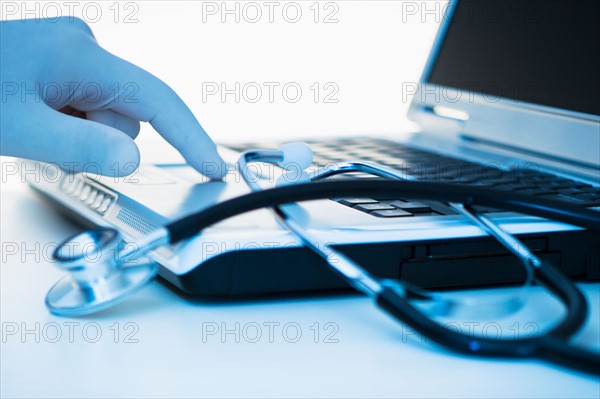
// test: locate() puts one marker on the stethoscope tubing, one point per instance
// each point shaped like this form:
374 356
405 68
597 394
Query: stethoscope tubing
550 346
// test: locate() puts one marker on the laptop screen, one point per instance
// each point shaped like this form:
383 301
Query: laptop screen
541 52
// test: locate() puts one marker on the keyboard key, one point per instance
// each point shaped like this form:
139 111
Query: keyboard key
561 183
357 201
487 209
573 200
413 207
483 184
569 191
586 188
373 207
504 180
535 191
514 187
587 196
394 213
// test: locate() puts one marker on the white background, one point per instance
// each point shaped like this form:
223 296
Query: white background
368 54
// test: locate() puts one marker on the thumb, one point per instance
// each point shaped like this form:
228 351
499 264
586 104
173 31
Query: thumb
72 143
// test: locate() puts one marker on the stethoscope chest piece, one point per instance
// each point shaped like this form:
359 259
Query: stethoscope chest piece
98 277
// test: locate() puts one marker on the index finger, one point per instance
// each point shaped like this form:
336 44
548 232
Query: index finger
155 102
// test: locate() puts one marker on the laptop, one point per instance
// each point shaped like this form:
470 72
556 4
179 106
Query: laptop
509 99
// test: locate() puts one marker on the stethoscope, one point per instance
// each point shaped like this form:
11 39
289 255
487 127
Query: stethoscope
103 270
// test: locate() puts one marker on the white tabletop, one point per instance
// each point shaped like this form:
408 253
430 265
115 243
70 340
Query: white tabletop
160 344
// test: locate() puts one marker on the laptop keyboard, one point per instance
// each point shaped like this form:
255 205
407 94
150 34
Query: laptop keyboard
428 166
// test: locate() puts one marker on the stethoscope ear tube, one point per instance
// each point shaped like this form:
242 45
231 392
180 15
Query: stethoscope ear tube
400 308
191 225
557 351
547 346
553 345
550 346
560 285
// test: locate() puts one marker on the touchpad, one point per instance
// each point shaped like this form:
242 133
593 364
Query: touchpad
174 191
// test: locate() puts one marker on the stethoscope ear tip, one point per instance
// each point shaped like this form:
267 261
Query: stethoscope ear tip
296 156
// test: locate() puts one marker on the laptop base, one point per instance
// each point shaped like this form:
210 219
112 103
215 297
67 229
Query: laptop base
434 264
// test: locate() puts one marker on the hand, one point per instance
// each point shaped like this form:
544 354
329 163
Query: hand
53 71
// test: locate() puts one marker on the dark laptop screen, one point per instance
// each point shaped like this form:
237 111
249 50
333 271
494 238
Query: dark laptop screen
542 52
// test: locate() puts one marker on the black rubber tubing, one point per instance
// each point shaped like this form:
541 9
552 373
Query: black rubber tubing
548 346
